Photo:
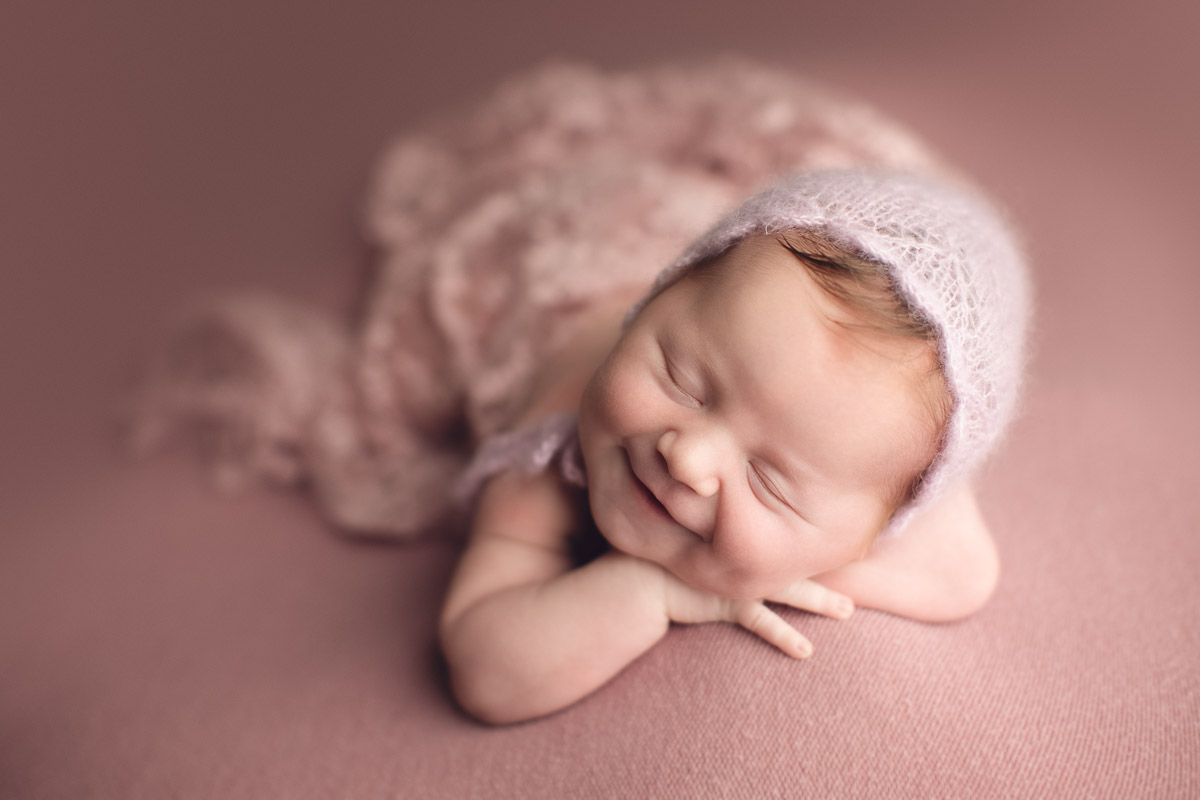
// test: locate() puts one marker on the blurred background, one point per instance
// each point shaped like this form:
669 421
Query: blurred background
152 153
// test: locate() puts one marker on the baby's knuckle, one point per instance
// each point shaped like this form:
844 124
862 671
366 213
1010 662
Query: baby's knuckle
754 616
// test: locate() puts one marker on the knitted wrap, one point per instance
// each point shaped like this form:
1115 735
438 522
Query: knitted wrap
951 258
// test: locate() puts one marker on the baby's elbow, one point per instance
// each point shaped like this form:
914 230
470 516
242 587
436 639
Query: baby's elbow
486 692
480 695
469 680
966 589
473 697
961 565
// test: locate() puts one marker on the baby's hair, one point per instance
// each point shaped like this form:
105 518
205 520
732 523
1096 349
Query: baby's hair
859 284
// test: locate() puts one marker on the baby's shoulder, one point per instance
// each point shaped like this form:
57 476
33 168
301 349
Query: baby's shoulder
535 509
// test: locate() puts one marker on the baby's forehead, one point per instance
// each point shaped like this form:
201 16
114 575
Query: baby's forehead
761 296
795 380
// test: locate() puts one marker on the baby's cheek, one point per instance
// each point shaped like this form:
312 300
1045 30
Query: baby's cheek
596 404
621 402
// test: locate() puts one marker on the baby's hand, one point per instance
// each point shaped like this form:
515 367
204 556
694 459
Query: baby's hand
688 605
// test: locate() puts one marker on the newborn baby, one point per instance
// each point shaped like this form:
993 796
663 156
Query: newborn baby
790 415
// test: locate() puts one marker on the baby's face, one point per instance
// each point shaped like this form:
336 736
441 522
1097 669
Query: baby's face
740 437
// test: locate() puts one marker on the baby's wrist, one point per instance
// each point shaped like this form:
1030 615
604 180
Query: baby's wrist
643 579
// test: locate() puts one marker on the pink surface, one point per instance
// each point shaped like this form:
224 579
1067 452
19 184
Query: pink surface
156 641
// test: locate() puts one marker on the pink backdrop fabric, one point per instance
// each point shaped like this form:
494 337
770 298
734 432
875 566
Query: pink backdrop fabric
158 641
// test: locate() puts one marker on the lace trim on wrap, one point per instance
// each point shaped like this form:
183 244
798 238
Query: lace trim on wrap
552 444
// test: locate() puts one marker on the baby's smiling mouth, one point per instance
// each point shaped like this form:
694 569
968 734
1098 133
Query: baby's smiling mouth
651 499
640 488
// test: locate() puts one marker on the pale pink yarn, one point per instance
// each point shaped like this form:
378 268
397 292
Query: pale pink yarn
498 225
949 255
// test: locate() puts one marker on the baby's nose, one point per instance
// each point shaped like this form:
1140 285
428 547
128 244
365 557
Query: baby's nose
690 461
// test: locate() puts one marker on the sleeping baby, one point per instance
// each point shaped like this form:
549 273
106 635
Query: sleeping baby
789 416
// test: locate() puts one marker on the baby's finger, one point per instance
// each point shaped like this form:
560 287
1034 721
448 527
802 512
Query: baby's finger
812 596
765 623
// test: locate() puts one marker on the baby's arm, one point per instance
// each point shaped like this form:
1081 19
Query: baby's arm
942 567
525 634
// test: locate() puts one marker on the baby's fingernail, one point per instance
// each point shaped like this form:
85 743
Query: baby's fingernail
843 607
803 649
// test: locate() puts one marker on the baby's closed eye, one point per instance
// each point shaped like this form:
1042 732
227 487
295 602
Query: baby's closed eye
762 482
687 389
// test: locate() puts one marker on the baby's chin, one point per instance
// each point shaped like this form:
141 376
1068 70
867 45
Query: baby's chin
735 588
713 579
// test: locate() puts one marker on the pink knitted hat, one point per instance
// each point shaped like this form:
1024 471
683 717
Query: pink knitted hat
948 254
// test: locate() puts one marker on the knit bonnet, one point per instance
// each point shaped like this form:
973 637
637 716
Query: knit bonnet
948 255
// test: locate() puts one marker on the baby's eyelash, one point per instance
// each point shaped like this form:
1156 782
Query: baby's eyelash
764 482
769 486
670 373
